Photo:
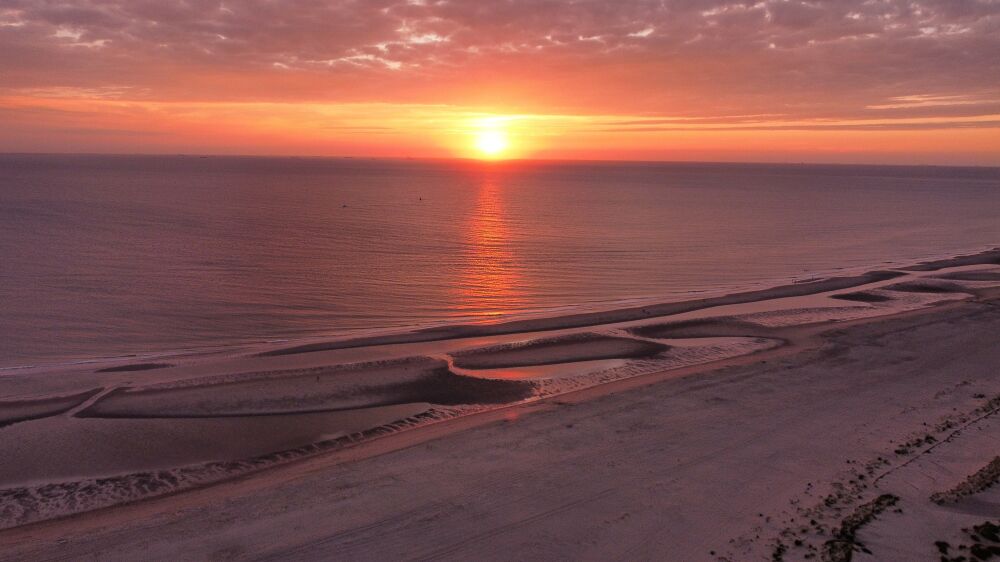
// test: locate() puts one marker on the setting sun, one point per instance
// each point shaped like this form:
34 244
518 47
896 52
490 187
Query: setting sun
492 143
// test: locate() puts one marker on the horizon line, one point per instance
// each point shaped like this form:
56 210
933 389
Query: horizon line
496 162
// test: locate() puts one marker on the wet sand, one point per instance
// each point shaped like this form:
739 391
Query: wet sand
20 410
567 349
620 439
299 391
597 318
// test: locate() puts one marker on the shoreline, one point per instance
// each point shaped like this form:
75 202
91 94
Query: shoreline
814 348
543 320
690 340
552 319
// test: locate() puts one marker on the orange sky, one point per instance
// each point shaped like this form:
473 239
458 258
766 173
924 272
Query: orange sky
850 81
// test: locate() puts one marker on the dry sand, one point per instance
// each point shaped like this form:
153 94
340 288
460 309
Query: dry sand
788 427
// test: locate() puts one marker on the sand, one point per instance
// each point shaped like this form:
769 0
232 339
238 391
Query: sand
567 349
13 411
588 319
300 391
743 430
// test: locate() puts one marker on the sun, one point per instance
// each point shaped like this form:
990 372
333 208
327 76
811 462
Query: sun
492 143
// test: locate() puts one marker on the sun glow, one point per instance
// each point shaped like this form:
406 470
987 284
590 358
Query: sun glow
492 143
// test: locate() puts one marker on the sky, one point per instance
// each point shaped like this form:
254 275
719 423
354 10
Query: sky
871 81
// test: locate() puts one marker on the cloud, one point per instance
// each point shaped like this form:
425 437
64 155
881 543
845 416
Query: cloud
683 58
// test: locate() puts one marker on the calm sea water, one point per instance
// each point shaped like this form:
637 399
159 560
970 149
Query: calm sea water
114 255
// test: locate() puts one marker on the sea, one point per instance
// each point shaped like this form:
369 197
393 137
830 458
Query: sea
112 256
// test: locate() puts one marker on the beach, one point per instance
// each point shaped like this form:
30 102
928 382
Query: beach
788 423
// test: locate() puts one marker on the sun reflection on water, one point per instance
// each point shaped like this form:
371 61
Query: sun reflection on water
490 283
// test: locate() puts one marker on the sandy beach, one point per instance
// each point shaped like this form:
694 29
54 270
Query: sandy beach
837 419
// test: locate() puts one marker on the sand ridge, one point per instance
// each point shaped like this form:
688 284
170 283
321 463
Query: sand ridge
340 387
595 318
566 349
14 411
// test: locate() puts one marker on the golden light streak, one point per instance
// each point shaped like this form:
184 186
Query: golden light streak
55 119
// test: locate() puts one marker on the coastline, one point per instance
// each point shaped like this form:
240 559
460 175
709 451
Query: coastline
547 319
789 323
